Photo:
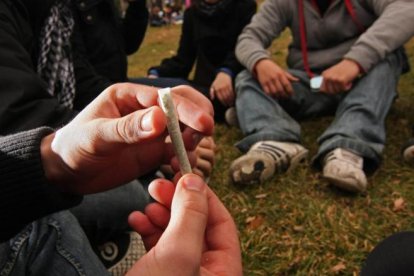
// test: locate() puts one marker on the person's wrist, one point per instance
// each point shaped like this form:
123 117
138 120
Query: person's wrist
54 168
357 66
257 65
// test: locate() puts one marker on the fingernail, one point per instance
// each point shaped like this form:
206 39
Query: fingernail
193 183
146 121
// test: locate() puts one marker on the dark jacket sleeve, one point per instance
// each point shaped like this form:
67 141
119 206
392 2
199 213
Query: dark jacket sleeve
180 65
246 10
135 25
25 194
24 100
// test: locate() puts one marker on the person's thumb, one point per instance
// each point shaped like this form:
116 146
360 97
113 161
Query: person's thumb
186 229
178 251
135 127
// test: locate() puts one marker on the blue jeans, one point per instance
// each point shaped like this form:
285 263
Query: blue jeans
360 113
62 243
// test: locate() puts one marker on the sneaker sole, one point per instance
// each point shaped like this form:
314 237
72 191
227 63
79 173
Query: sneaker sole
408 155
255 177
344 185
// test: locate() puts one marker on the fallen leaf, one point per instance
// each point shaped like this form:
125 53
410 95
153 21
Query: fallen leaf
249 219
399 204
254 222
330 211
396 181
298 228
339 267
260 196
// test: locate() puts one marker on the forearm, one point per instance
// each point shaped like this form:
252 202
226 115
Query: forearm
25 192
257 36
390 31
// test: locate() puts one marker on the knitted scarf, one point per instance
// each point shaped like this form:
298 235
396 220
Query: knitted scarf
55 64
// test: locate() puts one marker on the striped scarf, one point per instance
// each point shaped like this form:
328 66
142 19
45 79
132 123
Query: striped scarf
55 64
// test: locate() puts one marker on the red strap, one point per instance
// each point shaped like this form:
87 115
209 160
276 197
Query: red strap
353 15
302 30
303 40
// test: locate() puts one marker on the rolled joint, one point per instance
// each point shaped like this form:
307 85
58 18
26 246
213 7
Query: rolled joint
173 126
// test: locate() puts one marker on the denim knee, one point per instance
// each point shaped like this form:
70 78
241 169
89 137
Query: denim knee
53 245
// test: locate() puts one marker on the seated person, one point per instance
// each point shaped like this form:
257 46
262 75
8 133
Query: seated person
356 50
103 40
208 37
44 83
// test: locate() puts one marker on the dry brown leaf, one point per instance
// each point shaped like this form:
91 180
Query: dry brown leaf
249 219
396 181
298 228
339 267
330 211
399 204
254 222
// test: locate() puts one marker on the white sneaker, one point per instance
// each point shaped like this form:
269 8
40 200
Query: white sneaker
264 159
343 169
408 151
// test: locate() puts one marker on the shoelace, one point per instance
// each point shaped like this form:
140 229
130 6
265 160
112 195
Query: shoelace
345 156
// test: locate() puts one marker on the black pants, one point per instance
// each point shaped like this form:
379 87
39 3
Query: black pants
392 256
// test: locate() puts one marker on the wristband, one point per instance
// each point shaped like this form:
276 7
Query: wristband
227 71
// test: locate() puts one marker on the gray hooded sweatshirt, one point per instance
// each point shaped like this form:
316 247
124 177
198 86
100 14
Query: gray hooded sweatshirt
387 25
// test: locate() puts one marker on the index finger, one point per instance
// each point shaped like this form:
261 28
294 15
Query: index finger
197 115
193 108
194 96
287 85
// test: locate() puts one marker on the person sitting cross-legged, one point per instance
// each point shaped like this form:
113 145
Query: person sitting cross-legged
345 60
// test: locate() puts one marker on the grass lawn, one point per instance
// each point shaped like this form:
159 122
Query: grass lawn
296 224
